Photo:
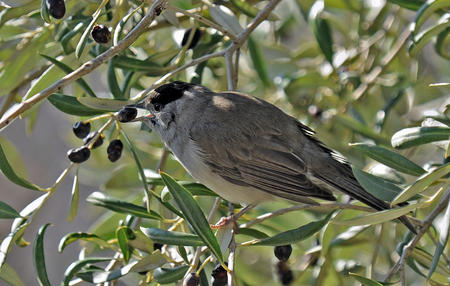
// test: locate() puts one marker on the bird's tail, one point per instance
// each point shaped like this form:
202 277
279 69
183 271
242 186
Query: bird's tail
348 184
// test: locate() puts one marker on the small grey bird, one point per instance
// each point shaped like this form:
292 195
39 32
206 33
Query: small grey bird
247 150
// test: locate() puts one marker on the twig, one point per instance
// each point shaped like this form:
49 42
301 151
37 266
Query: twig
373 75
230 71
231 256
410 246
89 66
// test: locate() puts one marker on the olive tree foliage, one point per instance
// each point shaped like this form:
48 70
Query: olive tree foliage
371 77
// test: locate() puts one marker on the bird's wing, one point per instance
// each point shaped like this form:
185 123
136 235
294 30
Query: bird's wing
258 158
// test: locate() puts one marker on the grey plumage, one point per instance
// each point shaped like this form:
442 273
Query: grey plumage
247 150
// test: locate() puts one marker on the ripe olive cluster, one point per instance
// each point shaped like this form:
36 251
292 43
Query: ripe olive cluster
284 273
83 130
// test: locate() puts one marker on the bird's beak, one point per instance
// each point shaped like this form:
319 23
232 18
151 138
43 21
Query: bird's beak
143 118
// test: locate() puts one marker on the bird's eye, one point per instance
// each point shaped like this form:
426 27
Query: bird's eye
157 106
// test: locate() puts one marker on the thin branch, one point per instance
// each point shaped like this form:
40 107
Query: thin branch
89 66
262 15
410 246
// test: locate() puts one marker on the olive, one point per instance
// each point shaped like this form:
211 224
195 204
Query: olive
81 129
101 34
127 114
219 276
195 38
114 150
192 280
90 136
79 155
56 8
282 252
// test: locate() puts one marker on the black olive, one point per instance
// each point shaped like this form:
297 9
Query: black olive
284 273
101 34
192 280
56 8
195 38
157 246
79 155
127 114
81 129
219 276
90 136
283 252
114 150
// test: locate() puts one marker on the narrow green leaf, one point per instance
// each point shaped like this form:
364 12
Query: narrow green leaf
7 211
426 10
172 237
9 173
323 34
360 128
119 27
295 235
409 4
193 214
442 43
258 61
39 257
422 183
74 198
112 82
19 225
105 276
377 217
44 12
425 259
150 68
150 262
68 70
420 40
170 275
123 234
70 105
65 40
10 276
230 22
380 188
443 227
7 242
389 158
414 136
365 281
141 173
347 237
102 200
44 81
103 103
75 236
253 233
78 265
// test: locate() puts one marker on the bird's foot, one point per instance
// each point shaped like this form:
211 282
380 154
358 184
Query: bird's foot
231 221
226 222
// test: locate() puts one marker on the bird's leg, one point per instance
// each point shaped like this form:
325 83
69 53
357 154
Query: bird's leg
224 222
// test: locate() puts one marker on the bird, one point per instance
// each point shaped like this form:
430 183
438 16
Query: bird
247 150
